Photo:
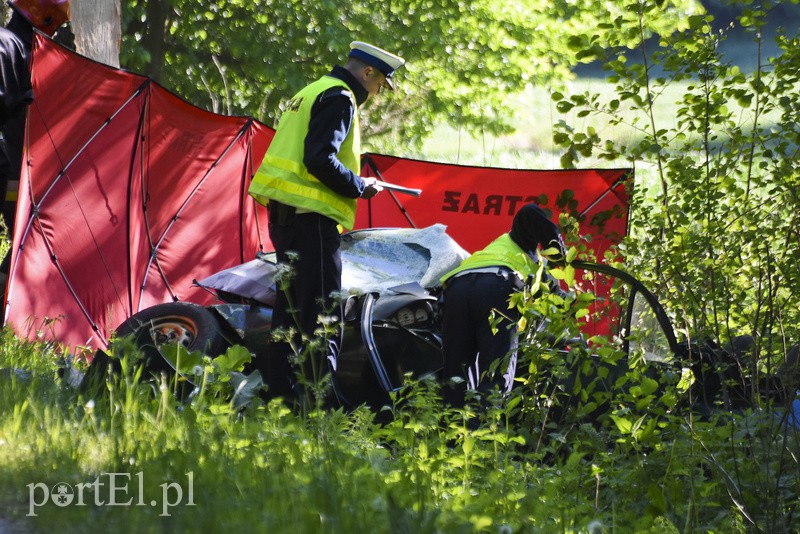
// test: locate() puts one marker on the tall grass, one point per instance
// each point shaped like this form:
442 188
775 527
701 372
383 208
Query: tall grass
428 469
262 468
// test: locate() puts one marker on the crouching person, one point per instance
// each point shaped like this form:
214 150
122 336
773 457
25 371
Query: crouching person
482 283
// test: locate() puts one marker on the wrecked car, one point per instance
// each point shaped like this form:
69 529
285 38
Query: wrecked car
391 328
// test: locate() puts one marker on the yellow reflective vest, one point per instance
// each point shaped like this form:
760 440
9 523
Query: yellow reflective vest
502 251
283 176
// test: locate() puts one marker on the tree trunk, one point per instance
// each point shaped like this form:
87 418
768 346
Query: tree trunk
97 25
154 39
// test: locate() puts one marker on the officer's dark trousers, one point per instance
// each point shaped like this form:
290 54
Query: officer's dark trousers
317 272
469 345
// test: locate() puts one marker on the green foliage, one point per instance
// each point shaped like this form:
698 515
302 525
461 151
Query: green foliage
465 58
717 238
428 469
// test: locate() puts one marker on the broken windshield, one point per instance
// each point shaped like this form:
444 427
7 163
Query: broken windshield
378 259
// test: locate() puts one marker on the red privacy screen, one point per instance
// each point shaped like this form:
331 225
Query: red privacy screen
478 204
130 193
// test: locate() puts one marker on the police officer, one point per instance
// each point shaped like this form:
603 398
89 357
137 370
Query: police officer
309 181
482 283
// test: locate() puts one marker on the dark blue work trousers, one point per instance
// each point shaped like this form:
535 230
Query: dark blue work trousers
469 345
314 241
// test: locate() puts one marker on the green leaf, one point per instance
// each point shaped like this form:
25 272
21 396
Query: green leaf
623 424
234 359
569 275
572 253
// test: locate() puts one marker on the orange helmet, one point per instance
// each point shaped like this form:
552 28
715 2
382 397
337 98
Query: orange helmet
46 15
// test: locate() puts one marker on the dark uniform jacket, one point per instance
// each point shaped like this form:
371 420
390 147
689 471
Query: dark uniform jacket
15 95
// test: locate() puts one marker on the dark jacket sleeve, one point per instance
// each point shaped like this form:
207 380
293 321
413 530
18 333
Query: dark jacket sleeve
331 120
15 83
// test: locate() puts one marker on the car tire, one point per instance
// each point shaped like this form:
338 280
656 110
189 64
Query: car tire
193 326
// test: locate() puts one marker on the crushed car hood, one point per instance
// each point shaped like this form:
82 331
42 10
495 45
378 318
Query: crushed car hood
373 260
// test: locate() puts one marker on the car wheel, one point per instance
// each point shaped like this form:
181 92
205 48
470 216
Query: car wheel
184 323
190 325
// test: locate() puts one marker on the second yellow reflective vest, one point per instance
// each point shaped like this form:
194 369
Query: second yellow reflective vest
502 251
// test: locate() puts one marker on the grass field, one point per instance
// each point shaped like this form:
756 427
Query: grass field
133 459
531 145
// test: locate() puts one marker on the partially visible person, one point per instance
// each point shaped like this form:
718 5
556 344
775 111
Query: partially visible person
16 41
482 283
15 97
309 180
789 374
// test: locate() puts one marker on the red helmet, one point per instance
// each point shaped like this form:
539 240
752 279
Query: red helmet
46 15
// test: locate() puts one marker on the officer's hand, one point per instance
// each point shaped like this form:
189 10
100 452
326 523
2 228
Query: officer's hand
372 188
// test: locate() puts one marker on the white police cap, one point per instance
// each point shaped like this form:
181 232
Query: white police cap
382 60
